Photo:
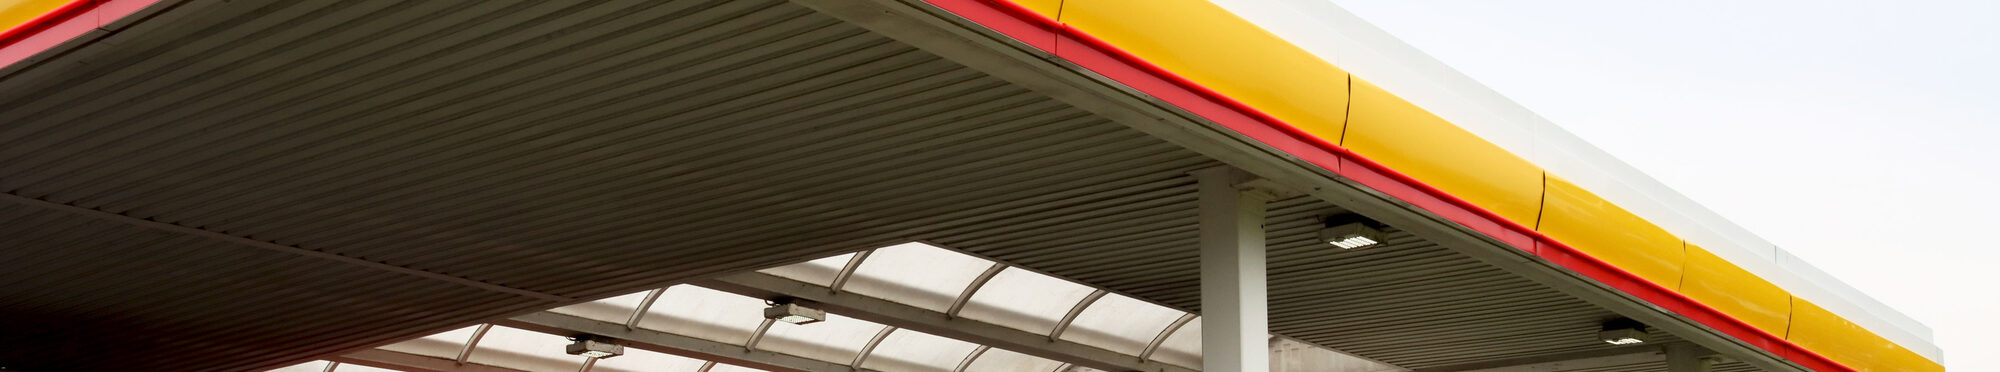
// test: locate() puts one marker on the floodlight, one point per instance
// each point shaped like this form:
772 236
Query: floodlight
791 312
1351 231
1622 331
594 347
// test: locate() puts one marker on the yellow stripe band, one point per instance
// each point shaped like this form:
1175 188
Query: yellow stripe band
1209 45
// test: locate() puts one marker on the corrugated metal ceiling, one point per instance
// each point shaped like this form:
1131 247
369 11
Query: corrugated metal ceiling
575 150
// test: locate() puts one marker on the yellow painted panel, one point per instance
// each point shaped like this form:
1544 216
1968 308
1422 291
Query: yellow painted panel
1836 338
1047 8
1212 47
1717 283
15 12
1390 130
1593 225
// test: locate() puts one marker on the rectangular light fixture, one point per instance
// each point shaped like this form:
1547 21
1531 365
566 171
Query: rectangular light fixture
1624 341
794 313
1350 231
1352 242
594 347
1622 331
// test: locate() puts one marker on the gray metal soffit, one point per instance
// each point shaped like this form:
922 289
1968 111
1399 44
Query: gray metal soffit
237 185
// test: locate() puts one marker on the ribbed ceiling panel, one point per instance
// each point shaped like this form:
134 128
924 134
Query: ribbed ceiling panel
247 183
576 149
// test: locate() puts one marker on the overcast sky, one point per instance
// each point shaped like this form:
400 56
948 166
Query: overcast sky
1860 135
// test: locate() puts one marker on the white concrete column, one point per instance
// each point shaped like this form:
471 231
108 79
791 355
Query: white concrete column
1688 358
1235 323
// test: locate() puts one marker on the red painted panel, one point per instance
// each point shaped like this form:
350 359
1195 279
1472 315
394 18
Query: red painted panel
112 10
1007 18
61 25
47 32
42 22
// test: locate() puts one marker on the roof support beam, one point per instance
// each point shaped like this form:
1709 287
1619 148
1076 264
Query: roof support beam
397 360
866 350
639 313
969 358
1074 311
1154 346
918 319
965 297
853 263
570 325
472 343
758 334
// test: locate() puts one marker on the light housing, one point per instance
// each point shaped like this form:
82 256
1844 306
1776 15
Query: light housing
791 312
1623 331
1351 231
594 347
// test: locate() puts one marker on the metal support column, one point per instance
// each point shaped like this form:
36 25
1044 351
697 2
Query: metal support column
1235 320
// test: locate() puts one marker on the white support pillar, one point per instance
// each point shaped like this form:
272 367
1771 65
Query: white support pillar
1235 321
1683 357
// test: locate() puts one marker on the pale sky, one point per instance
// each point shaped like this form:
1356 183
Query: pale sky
1859 135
